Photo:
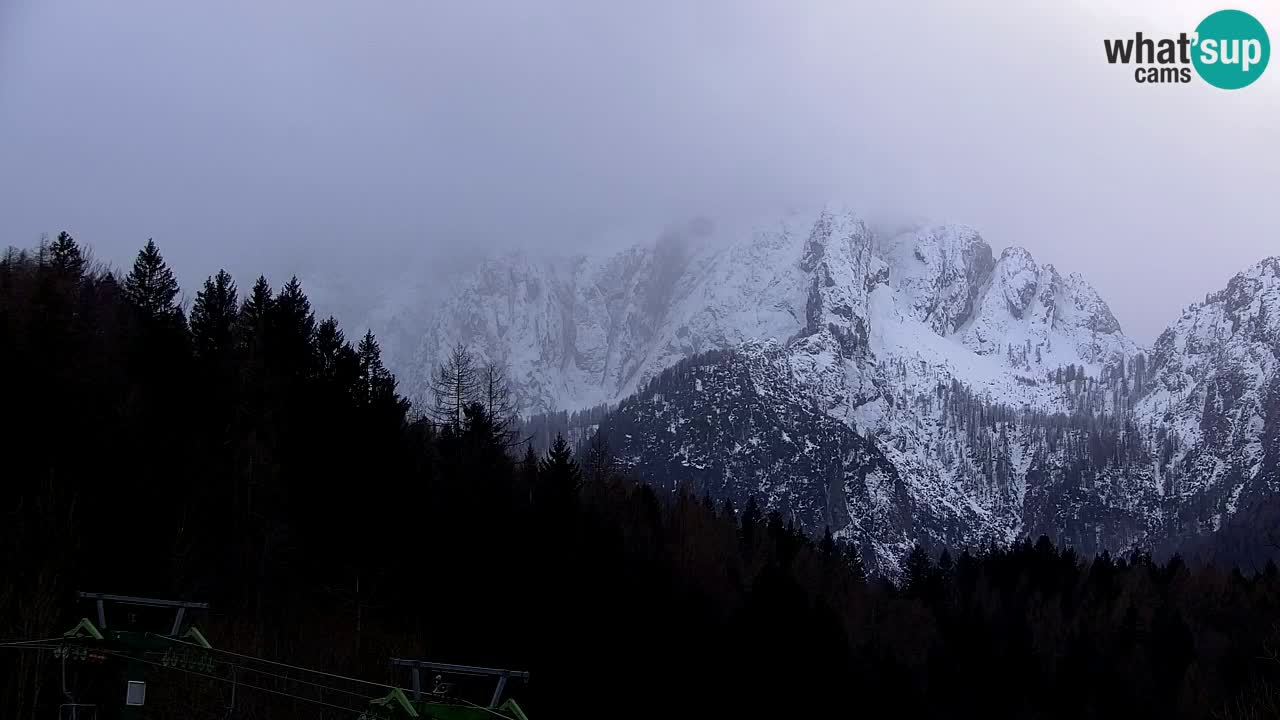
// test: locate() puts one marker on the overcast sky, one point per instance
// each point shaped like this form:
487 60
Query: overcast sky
263 133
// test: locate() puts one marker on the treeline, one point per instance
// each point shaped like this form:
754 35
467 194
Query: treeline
577 427
242 453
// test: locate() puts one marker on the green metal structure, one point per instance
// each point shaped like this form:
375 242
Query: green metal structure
186 649
396 705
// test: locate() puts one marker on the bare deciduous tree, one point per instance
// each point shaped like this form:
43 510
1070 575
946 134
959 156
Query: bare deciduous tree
500 404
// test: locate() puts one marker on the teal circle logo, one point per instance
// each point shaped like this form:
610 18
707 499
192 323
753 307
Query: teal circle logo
1231 49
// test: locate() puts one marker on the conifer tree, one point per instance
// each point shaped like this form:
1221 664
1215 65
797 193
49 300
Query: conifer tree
65 256
213 317
853 558
293 309
529 467
291 329
377 384
150 286
251 325
916 571
57 296
559 477
600 464
751 518
728 512
330 341
827 546
371 369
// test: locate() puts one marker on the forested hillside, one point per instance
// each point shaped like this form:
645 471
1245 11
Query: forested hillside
229 447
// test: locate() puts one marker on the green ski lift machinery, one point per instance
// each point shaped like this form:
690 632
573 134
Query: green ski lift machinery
182 646
149 631
440 701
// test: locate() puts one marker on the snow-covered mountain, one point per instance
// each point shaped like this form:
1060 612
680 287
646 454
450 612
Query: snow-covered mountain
580 330
896 385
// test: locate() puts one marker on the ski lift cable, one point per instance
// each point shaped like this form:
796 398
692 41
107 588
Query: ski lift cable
18 643
237 667
239 684
287 665
486 709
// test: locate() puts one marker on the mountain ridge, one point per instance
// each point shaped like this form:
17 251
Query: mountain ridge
1004 394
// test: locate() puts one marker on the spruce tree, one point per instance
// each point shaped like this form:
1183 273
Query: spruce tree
330 341
559 477
916 571
529 467
57 295
213 317
150 286
291 327
251 325
377 384
65 256
370 355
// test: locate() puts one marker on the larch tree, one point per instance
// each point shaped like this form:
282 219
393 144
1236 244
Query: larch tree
455 385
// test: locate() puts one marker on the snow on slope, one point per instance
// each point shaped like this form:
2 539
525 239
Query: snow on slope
588 329
1004 394
1213 387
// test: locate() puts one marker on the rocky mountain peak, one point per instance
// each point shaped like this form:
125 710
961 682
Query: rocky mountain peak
940 273
898 386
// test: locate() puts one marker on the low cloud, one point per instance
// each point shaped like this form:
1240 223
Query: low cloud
358 137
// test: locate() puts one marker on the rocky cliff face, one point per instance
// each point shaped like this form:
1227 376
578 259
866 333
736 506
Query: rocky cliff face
896 386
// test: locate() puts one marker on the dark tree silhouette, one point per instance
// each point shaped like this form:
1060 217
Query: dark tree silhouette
150 286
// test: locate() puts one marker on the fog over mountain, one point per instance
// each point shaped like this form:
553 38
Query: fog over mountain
639 358
895 385
355 143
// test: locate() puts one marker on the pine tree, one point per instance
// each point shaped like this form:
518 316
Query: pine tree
213 317
150 286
